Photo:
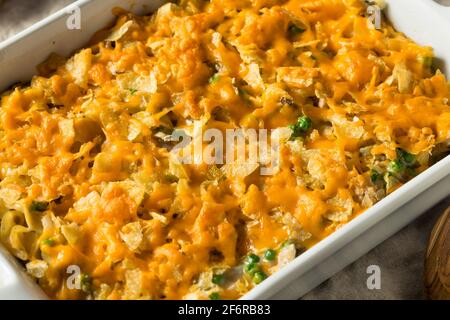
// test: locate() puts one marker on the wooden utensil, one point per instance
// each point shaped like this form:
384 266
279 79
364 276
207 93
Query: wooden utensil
437 263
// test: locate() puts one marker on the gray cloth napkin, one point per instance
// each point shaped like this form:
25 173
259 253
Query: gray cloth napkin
16 15
401 258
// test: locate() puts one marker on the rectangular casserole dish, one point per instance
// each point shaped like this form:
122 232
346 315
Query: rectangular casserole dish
424 21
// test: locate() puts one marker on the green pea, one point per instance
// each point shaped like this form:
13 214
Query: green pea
407 158
214 296
303 125
395 167
252 258
259 277
217 279
251 268
270 255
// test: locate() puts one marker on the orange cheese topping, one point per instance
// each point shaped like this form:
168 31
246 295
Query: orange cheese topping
87 179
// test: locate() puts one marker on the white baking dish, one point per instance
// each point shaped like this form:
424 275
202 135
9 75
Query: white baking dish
423 20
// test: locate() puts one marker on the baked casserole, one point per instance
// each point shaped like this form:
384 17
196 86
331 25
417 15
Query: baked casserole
90 186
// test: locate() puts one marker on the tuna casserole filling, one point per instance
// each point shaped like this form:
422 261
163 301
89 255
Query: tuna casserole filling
89 183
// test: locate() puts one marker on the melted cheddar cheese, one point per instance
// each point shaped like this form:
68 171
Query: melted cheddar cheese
88 183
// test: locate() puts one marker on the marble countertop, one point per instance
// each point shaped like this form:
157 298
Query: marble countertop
401 258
